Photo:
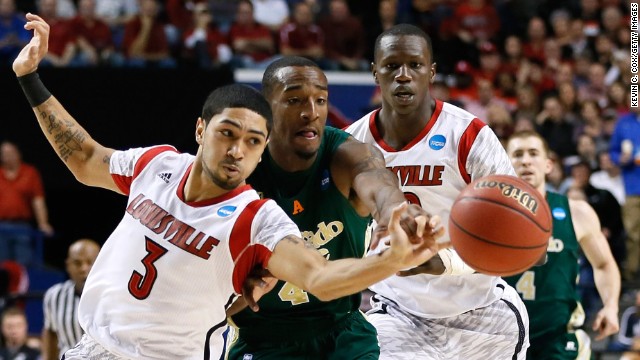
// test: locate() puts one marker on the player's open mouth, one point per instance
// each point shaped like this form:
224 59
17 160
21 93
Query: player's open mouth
307 134
231 170
404 96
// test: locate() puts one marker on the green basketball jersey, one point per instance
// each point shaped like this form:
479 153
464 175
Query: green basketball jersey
549 291
328 221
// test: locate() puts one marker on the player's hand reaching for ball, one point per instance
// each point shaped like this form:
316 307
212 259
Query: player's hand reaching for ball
30 56
413 246
414 216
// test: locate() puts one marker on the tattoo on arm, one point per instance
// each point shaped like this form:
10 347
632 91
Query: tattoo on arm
66 135
106 159
296 240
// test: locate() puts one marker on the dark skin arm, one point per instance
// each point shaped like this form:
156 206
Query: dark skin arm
359 172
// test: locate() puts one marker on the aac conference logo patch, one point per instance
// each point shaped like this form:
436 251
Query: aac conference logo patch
437 142
226 210
559 213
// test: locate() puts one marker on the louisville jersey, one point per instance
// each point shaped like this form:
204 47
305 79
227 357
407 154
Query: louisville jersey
327 220
453 149
163 279
550 291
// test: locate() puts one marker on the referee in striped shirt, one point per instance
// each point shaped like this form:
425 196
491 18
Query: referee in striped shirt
61 328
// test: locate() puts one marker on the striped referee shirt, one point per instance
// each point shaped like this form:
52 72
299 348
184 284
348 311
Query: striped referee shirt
61 314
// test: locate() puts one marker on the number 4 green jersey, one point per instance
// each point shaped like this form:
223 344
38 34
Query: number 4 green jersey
328 221
549 291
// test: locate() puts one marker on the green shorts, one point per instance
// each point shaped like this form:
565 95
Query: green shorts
568 346
351 338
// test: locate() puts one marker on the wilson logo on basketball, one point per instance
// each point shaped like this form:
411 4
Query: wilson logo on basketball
524 198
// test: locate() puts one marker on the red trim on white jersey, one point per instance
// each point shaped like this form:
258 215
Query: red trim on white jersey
124 182
376 134
245 256
207 202
464 146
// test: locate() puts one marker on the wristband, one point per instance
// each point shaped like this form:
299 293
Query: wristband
34 89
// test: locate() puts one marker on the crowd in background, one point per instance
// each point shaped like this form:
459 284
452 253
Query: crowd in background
559 67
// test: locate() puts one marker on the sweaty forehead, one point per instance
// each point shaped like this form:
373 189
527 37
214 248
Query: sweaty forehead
298 76
405 45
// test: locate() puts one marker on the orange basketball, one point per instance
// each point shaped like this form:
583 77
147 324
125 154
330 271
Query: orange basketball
500 225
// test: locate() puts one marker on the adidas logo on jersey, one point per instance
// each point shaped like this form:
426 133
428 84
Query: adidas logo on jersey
165 177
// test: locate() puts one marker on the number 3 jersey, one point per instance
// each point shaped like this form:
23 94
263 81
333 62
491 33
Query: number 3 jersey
162 281
453 149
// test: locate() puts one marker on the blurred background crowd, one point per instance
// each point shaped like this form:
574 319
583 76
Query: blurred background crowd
560 67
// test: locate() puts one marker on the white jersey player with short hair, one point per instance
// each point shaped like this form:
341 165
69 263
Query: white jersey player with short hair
454 149
129 305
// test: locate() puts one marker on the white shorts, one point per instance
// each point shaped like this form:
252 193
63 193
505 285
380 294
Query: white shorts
499 331
89 349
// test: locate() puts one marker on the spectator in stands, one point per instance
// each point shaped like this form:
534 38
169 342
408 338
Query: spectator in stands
591 125
344 38
204 44
61 329
596 88
13 36
612 22
145 42
93 36
579 41
536 36
629 327
302 37
23 200
568 97
513 55
66 9
561 25
556 128
625 152
13 323
486 98
180 13
490 61
62 42
527 104
608 177
476 21
617 98
608 210
117 13
271 13
252 43
387 17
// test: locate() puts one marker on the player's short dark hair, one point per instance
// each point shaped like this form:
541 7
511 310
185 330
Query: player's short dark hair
403 29
269 78
236 96
523 134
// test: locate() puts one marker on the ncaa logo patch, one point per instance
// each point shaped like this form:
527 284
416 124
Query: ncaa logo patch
226 210
559 213
437 142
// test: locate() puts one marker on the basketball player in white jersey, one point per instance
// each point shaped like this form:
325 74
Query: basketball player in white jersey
436 149
192 228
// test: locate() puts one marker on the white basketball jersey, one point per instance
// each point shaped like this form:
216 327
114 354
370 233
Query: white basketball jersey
162 281
451 151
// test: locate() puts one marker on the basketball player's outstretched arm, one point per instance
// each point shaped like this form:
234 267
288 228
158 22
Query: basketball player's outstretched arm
359 171
605 271
302 265
87 159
